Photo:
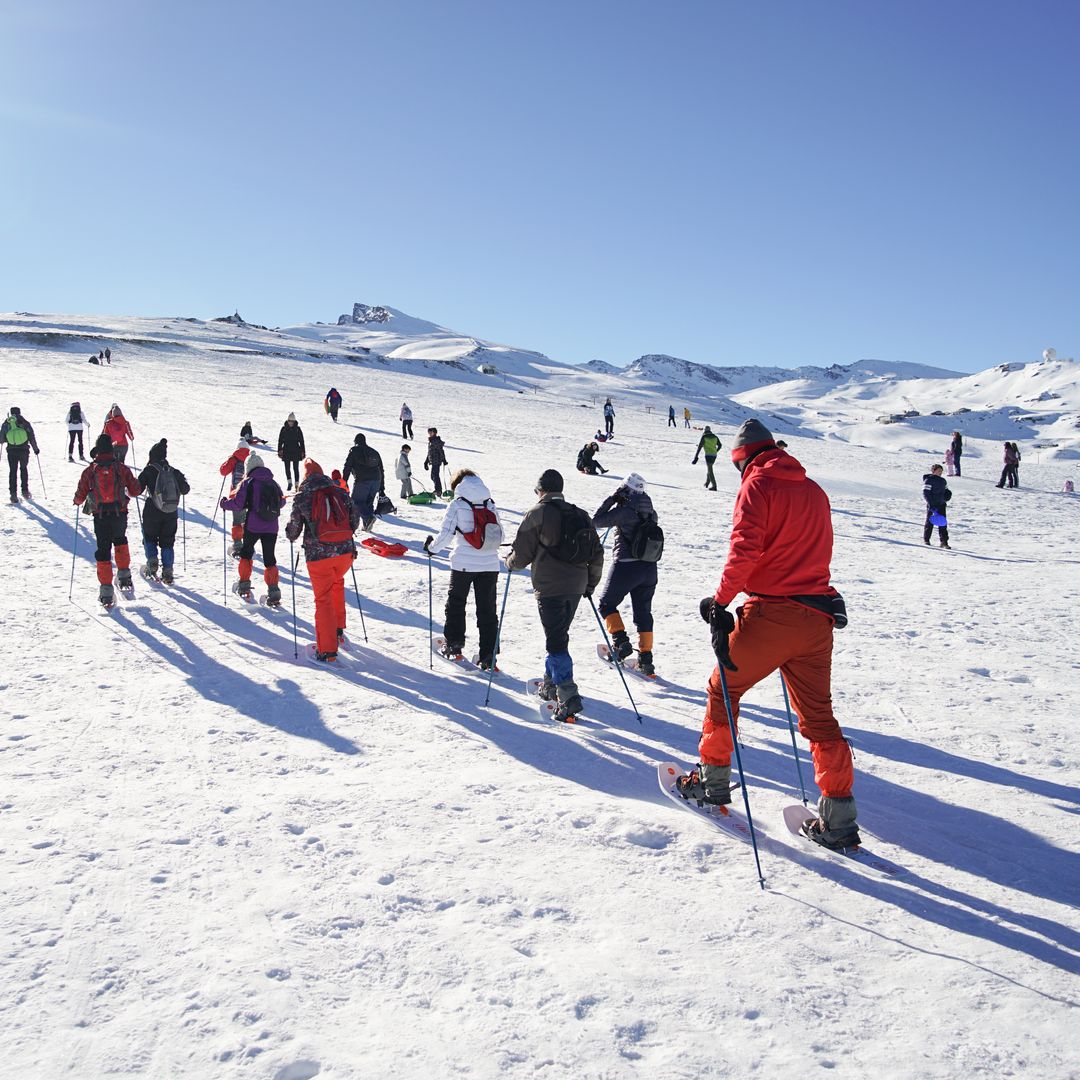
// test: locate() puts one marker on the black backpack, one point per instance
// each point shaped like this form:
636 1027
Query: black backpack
75 414
578 543
269 502
647 544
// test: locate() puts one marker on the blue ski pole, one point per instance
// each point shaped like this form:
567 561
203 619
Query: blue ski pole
742 775
794 745
71 587
615 658
498 635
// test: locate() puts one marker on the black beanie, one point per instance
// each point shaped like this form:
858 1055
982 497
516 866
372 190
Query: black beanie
16 411
103 445
159 451
360 439
550 481
752 437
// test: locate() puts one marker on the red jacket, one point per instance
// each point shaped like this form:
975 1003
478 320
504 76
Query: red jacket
118 429
781 533
126 477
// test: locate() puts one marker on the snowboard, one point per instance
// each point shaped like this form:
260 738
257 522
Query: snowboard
796 814
725 818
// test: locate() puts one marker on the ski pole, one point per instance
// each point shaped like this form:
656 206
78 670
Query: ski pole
356 589
183 523
498 634
614 656
742 775
430 618
794 746
224 570
603 539
44 493
71 587
138 510
295 650
133 465
216 504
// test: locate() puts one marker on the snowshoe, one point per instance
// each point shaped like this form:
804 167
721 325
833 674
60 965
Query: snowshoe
567 712
692 788
450 652
106 597
123 580
620 642
242 588
166 575
814 829
273 596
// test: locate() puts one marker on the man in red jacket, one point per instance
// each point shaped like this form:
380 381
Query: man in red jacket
781 546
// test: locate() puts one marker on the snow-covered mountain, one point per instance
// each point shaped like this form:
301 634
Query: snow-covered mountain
870 402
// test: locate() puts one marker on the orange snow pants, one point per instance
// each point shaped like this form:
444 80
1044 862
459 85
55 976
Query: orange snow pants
328 584
771 634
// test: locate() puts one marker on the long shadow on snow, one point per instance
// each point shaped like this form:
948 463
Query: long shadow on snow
285 708
981 844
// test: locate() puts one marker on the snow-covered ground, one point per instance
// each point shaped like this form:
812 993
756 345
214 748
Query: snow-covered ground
217 861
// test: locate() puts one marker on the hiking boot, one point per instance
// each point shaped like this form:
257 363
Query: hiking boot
326 657
451 652
645 664
105 595
166 575
926 542
123 579
706 784
243 587
546 690
290 486
486 663
273 596
341 633
835 826
620 642
234 550
71 459
945 545
368 523
570 704
151 568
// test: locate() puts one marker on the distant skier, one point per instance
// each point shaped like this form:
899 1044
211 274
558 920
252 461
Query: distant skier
403 471
259 499
781 548
290 448
233 467
104 488
937 495
950 465
586 460
559 542
671 416
328 518
609 417
957 447
627 510
163 486
17 434
686 417
436 458
472 526
332 403
710 445
76 423
405 416
119 430
364 464
108 355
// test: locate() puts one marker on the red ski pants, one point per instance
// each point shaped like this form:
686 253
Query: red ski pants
328 584
780 634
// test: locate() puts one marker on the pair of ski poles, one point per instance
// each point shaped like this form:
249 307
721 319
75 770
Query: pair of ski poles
294 562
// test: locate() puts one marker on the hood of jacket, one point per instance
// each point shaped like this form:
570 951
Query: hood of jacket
472 489
776 464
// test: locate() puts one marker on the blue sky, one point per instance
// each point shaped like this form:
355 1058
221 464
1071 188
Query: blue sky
730 182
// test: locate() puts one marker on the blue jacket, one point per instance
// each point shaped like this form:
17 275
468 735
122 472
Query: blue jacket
935 491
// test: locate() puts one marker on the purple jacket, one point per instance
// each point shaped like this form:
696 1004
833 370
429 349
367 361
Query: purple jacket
248 496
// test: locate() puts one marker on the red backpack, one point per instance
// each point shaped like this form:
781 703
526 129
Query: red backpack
330 515
106 488
483 516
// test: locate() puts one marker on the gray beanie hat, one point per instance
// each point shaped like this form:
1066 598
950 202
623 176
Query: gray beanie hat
253 462
752 437
550 481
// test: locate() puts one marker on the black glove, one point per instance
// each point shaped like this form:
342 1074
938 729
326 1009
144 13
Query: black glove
694 462
427 544
721 623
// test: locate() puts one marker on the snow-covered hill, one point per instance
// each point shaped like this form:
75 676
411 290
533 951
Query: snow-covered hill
218 862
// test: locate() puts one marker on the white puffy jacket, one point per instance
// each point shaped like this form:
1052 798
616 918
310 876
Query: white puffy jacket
459 519
403 470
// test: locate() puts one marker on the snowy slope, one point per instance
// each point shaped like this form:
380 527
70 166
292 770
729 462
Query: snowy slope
220 862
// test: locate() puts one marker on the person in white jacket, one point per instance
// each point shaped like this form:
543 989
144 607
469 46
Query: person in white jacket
403 471
405 416
473 532
76 424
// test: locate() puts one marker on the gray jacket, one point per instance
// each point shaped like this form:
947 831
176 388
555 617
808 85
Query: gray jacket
541 528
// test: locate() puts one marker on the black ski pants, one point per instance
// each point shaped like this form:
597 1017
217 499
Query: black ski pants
636 578
956 461
18 468
928 528
158 527
72 436
110 530
292 470
671 421
609 425
334 412
406 429
268 541
484 585
556 615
